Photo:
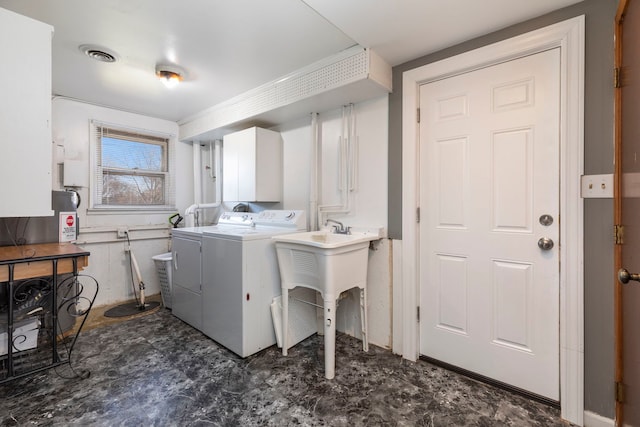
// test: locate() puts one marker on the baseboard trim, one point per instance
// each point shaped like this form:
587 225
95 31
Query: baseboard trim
591 419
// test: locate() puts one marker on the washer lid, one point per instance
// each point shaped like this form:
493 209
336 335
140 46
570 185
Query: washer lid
192 231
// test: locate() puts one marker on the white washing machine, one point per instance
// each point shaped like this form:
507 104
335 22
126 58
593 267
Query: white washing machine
240 278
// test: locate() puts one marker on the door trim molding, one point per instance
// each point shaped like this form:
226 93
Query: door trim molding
569 37
617 207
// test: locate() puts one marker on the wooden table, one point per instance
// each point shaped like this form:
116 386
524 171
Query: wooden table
35 260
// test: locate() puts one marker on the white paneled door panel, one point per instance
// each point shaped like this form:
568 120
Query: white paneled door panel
489 168
452 182
511 182
452 293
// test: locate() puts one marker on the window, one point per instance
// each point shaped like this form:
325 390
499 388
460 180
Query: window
131 169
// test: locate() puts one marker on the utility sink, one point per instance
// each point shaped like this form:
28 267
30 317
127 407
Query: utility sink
328 240
327 262
330 263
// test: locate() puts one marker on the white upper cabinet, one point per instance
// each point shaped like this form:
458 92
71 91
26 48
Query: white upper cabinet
252 166
25 116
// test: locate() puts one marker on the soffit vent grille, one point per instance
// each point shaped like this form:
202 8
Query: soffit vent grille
309 89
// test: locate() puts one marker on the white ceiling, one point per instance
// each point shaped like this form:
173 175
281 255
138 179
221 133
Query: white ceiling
228 47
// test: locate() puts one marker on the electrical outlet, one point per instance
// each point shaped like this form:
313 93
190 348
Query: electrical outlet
122 232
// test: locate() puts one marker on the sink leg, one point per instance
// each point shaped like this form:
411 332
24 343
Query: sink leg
285 320
363 319
329 338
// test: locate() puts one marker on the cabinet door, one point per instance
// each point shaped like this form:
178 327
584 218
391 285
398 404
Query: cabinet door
25 116
239 171
230 170
246 146
268 164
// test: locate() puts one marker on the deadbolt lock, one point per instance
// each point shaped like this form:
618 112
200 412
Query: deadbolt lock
546 219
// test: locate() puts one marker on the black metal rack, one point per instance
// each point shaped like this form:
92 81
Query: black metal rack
38 297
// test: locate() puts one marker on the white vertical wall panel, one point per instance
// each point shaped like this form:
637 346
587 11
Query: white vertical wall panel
296 157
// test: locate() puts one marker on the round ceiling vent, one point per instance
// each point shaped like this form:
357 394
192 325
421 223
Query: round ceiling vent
98 53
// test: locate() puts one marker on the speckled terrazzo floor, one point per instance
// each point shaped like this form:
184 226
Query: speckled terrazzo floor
158 371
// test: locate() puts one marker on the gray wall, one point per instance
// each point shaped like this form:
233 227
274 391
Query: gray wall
598 218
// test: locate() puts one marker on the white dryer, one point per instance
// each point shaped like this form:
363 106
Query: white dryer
240 278
186 250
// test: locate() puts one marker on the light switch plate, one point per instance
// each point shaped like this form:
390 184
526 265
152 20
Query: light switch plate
597 186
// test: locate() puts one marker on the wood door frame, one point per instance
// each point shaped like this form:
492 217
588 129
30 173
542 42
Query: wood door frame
569 36
617 210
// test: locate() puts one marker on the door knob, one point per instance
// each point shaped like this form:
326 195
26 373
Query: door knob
545 243
624 276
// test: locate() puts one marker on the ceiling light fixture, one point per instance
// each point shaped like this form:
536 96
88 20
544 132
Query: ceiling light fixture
169 75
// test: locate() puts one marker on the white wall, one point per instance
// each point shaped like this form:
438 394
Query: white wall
369 207
149 232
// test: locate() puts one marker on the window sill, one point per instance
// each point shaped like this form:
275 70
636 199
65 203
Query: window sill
131 211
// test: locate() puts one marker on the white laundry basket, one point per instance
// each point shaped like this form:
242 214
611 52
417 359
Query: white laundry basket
163 267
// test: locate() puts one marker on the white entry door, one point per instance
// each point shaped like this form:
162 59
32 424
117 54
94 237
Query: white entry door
489 194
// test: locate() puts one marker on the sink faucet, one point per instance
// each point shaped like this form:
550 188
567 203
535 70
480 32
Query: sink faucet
339 228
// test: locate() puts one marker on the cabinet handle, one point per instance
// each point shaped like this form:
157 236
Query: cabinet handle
175 260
